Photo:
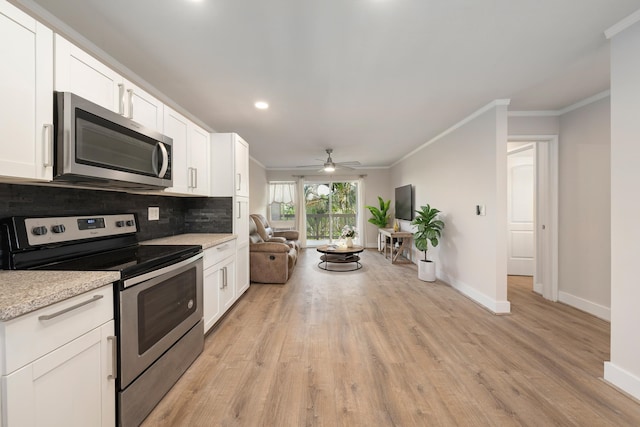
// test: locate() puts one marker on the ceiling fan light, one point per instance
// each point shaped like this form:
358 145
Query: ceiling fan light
329 168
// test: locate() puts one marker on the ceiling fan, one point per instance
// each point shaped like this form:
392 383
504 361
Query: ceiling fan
329 165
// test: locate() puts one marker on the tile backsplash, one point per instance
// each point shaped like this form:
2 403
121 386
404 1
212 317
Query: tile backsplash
178 215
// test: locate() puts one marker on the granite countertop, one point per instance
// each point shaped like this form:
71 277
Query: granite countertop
22 292
206 240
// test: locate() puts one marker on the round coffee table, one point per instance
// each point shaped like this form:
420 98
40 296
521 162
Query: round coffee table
339 255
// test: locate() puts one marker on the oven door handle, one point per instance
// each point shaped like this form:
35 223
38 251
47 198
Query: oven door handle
153 274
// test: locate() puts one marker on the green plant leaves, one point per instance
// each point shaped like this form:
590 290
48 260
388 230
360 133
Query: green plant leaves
428 228
380 215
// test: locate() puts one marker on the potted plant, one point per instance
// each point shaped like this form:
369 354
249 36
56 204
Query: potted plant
428 229
349 232
380 216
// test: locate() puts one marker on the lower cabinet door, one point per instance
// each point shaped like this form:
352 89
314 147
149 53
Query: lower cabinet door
228 283
68 387
211 295
242 261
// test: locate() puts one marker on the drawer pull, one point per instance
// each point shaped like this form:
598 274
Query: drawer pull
68 309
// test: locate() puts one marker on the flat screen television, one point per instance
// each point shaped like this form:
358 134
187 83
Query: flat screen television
404 203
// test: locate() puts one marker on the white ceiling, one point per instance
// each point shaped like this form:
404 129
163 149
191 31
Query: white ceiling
372 79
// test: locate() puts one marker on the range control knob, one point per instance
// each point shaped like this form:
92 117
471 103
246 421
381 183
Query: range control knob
119 224
39 231
130 223
58 228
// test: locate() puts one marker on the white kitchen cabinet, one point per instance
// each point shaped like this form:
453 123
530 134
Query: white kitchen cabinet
59 364
241 229
142 107
26 84
242 269
190 151
219 281
198 160
229 165
78 72
228 283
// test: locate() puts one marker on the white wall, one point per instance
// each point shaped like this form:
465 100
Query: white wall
624 368
584 239
376 183
454 174
258 188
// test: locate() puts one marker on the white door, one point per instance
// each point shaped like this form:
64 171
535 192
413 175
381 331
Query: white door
520 211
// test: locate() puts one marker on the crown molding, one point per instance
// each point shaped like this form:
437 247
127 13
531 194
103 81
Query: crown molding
565 110
622 25
475 114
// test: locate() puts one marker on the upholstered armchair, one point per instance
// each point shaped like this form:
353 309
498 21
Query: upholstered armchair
269 261
267 233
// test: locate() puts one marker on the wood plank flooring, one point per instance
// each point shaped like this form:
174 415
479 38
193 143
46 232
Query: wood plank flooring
378 347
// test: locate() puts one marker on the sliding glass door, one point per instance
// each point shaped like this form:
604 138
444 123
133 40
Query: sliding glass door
329 206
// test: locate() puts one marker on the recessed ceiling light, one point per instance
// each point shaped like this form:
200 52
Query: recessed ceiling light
261 105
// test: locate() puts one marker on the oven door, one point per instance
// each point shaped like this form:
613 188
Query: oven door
156 310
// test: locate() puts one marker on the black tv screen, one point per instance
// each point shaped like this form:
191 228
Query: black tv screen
404 203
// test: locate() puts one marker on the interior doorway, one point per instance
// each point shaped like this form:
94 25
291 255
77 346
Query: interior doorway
544 225
521 208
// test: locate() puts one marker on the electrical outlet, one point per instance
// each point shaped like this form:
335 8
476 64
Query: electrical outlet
154 213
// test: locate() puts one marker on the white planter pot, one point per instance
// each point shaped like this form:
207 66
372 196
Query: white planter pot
427 271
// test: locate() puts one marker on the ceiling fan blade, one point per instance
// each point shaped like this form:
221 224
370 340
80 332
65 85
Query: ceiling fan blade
309 166
356 163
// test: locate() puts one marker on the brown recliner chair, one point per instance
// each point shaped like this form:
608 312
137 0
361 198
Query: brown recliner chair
269 262
267 233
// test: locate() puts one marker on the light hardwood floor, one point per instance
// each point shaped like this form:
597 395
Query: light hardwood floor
378 347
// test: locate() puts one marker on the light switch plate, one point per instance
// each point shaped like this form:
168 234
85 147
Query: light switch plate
154 213
481 210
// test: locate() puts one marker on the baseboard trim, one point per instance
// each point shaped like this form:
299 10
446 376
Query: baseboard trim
495 306
590 307
622 379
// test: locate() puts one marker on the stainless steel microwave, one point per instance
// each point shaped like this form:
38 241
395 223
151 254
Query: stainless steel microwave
97 147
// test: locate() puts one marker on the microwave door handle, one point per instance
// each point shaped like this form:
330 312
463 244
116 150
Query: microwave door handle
165 159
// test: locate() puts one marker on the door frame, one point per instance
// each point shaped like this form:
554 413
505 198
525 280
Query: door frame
546 213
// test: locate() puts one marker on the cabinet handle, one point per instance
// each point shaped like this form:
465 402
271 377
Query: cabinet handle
68 309
47 137
222 281
239 181
121 99
114 358
239 210
130 92
195 177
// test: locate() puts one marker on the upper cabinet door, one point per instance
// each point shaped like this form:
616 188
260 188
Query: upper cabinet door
242 167
143 107
229 165
198 160
26 84
78 72
176 126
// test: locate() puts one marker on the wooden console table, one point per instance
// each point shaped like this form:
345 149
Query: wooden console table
388 238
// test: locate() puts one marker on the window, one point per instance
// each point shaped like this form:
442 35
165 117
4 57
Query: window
282 204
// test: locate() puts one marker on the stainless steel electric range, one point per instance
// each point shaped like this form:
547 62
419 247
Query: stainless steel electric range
158 300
